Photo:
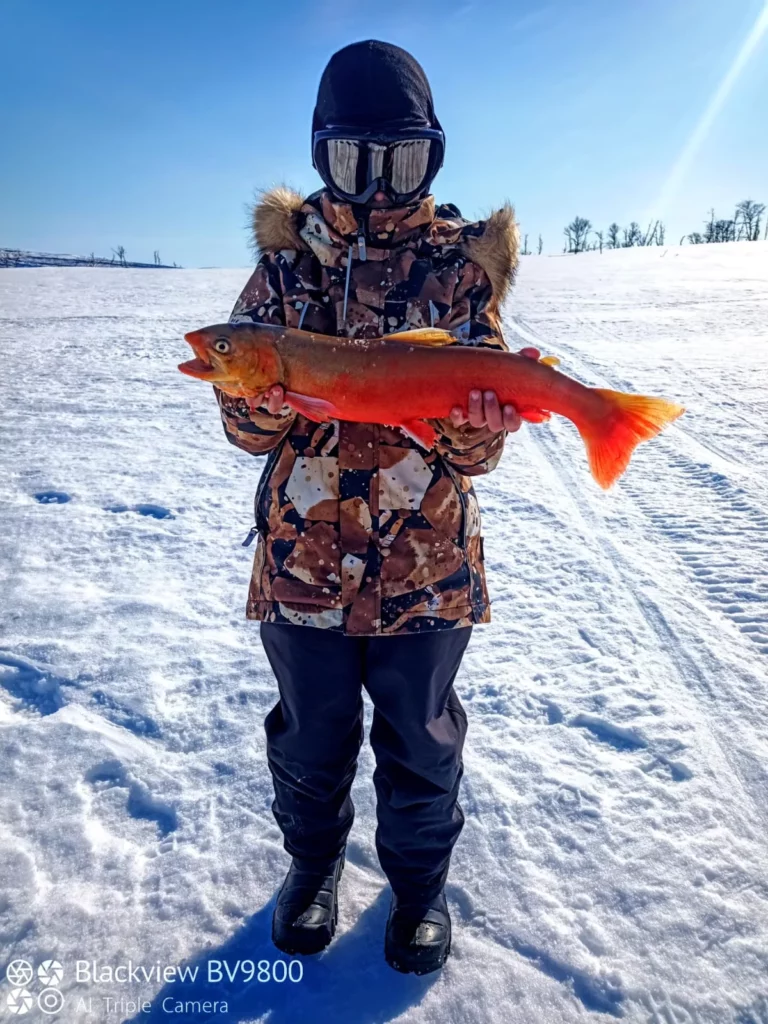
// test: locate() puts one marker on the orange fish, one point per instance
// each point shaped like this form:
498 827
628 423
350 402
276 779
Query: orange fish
407 378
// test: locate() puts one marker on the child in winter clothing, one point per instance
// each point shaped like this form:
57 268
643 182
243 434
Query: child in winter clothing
368 543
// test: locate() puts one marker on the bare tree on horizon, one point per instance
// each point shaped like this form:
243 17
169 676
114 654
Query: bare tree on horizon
576 234
751 214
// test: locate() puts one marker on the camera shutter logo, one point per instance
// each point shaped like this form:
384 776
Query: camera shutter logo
19 973
19 1001
50 973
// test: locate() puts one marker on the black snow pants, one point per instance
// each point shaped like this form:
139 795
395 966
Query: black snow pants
315 731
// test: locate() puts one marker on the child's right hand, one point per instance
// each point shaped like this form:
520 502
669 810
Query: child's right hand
274 398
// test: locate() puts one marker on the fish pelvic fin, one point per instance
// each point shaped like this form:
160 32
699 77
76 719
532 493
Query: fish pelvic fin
611 439
432 337
316 409
421 432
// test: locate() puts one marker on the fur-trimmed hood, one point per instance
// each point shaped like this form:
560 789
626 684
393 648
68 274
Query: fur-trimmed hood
279 214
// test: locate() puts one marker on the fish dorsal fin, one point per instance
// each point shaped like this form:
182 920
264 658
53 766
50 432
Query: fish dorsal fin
431 336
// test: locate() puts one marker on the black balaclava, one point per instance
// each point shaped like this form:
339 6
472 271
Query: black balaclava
374 85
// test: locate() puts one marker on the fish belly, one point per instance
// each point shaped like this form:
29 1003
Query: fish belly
395 382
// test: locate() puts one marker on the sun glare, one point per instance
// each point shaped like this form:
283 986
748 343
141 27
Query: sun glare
701 131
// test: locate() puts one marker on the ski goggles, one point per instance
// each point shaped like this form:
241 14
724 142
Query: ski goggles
355 165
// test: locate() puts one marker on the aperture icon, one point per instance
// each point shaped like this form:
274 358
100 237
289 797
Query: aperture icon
19 973
19 1001
50 1000
50 973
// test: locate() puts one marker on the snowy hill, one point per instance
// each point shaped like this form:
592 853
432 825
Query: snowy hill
614 860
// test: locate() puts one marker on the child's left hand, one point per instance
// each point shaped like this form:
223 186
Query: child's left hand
483 407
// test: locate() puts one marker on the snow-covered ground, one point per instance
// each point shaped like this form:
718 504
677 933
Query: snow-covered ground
614 861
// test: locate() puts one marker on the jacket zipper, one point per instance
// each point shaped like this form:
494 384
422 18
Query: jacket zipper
462 499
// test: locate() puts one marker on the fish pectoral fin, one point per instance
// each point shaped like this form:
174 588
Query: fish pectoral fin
433 337
316 409
421 432
550 360
532 415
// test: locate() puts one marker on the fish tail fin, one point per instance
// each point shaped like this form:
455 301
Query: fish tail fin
612 438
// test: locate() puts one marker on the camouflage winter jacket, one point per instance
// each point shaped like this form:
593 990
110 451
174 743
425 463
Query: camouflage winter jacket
358 529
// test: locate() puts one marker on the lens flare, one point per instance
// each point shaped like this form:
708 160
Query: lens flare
701 131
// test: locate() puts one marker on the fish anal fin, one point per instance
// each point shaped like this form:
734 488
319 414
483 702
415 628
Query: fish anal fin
316 409
431 336
420 431
532 415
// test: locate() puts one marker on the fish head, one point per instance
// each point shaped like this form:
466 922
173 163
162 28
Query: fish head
240 359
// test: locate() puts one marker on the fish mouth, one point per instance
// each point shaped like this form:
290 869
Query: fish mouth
197 368
200 367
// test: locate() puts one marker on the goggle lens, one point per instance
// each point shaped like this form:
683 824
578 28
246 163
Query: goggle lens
353 165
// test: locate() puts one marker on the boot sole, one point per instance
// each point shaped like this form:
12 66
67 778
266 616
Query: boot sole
303 944
415 965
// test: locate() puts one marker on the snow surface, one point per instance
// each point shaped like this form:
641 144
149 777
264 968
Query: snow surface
613 862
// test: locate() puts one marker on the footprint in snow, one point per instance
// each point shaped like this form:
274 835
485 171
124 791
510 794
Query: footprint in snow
665 767
540 707
53 497
143 509
622 738
37 688
128 718
617 736
140 803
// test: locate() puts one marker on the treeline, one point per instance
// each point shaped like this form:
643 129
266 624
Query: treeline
22 258
580 235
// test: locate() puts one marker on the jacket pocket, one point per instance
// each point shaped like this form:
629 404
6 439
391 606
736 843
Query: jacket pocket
261 521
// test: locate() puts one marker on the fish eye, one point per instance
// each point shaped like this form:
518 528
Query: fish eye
221 345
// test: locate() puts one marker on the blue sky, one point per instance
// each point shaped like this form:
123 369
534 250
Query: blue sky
149 124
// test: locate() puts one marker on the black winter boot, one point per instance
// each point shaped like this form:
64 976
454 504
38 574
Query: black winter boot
307 908
418 937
